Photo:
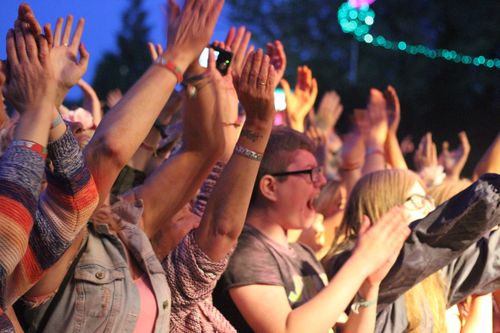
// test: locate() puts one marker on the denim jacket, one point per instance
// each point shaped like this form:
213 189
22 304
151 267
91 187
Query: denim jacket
101 296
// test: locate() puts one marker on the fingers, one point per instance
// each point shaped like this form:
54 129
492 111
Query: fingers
365 225
47 30
75 42
43 51
253 76
159 49
230 36
152 51
31 46
211 61
11 48
84 57
58 32
246 68
464 141
286 87
67 30
20 46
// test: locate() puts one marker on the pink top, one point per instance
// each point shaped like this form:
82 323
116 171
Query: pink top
148 309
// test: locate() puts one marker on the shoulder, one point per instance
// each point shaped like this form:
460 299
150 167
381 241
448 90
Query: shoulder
252 262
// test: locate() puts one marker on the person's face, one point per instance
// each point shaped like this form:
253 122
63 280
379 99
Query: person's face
417 204
296 193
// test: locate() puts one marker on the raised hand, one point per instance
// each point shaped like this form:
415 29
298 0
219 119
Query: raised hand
329 111
237 42
276 52
154 50
31 85
256 87
377 117
426 153
301 101
393 108
378 245
64 55
31 76
454 161
190 31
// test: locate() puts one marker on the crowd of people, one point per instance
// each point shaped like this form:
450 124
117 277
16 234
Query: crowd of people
202 209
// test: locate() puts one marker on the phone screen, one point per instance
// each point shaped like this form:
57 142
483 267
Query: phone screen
203 60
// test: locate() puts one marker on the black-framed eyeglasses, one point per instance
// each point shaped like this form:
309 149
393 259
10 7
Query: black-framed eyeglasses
314 173
418 201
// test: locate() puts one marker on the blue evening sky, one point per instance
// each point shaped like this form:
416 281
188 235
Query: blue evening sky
102 23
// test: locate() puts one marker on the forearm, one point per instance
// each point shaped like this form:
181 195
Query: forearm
182 175
321 312
374 157
223 220
21 172
393 152
364 321
146 150
109 151
71 195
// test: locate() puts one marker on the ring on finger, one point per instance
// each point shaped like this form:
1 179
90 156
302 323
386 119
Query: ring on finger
261 83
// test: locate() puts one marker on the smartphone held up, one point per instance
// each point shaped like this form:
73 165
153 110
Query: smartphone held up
222 59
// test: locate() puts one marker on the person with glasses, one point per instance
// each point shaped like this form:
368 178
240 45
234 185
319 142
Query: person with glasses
449 255
271 285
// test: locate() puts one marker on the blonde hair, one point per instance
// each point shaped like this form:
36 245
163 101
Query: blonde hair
327 197
448 189
373 195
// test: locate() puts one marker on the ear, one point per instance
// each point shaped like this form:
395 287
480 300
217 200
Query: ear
267 187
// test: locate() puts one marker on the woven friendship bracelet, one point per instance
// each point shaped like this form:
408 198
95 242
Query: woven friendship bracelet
167 64
36 147
240 150
360 303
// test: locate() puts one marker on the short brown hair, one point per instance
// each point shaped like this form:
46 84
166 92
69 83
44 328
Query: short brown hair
278 155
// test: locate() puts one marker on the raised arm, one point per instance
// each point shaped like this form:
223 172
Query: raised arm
109 150
392 149
376 135
31 88
202 146
301 100
223 220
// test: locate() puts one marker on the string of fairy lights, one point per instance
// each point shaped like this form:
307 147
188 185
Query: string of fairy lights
357 18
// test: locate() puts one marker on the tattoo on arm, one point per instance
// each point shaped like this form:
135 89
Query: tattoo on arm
253 136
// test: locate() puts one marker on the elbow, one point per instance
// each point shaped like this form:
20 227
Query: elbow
104 151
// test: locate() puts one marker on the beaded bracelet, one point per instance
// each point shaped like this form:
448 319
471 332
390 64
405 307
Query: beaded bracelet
240 150
169 65
36 147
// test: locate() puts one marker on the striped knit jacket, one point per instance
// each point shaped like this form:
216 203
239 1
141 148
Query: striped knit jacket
36 229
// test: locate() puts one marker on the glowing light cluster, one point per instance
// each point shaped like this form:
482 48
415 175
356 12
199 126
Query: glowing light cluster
358 22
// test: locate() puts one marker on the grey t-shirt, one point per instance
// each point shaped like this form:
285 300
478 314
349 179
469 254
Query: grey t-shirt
259 260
